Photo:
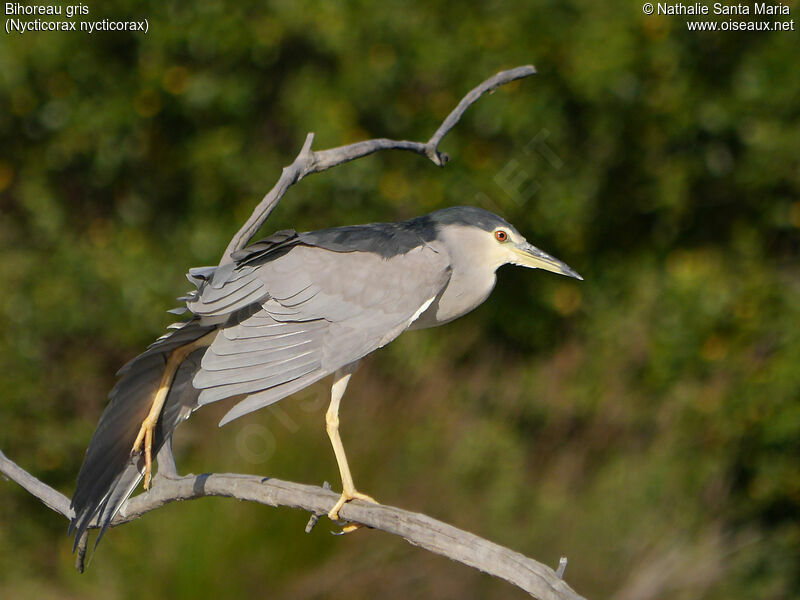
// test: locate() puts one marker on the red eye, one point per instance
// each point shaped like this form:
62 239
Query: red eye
500 235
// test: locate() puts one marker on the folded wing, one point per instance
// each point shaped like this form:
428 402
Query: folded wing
300 316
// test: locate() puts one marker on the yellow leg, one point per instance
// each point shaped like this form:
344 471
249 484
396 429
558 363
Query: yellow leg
147 429
349 492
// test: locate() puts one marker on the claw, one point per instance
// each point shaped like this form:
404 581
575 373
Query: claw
348 529
333 514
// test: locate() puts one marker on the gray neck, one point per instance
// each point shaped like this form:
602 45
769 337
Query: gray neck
471 282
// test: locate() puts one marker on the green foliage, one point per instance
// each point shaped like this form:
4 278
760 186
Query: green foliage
644 422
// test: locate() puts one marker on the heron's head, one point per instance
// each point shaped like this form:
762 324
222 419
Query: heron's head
486 240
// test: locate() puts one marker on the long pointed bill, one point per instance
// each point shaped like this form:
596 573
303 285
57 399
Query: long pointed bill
530 256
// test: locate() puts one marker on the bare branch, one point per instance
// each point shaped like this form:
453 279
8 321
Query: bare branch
52 499
308 161
489 85
418 529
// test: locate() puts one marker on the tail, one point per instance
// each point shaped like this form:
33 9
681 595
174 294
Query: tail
109 473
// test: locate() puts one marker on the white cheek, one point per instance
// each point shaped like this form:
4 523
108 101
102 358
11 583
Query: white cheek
502 254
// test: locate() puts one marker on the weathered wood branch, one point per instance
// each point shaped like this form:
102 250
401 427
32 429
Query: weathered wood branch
309 161
420 530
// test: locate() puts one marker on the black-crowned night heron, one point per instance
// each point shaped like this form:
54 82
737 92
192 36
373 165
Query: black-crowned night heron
288 311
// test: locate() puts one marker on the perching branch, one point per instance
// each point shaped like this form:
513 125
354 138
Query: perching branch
419 530
308 161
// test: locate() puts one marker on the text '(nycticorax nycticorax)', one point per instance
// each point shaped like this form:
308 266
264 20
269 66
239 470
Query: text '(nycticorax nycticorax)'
288 311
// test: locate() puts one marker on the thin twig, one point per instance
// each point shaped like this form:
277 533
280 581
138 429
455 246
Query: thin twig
420 530
562 567
314 518
308 161
454 117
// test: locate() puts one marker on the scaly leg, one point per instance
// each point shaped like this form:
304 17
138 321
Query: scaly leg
147 430
349 492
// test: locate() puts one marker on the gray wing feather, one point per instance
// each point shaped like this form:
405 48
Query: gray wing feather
321 310
269 356
262 325
244 339
251 292
212 294
271 395
244 385
266 366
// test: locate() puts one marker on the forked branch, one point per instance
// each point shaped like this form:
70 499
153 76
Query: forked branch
309 161
527 574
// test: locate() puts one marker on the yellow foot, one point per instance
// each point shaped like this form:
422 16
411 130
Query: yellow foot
145 438
346 496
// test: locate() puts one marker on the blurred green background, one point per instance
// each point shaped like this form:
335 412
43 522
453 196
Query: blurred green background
645 422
